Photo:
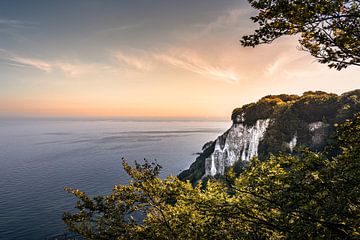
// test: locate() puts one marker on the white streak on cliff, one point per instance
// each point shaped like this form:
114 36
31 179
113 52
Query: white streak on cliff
291 145
316 125
241 143
317 130
213 168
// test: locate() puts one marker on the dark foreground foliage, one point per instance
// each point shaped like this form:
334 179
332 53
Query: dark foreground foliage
286 197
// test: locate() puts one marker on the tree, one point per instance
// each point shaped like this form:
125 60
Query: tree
286 197
329 29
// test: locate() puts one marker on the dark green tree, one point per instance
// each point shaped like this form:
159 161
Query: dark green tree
329 29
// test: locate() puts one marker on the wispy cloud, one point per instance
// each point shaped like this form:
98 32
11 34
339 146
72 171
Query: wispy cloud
70 69
14 59
76 69
142 63
12 23
121 28
189 60
15 28
30 62
181 58
284 61
223 24
229 19
232 20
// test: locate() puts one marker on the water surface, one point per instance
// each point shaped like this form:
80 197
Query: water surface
38 157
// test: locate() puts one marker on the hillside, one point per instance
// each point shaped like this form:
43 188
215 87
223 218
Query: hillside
274 124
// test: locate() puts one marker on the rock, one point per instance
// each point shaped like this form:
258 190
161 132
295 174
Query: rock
241 144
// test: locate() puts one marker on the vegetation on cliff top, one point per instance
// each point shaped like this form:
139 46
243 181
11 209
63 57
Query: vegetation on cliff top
291 115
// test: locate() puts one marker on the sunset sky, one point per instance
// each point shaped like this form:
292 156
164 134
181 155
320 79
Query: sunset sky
160 58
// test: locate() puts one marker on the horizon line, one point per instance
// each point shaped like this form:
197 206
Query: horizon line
123 118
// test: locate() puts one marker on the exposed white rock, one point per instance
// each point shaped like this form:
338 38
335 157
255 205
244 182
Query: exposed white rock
291 145
213 168
316 125
241 143
317 130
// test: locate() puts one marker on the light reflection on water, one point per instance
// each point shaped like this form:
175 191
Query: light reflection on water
39 157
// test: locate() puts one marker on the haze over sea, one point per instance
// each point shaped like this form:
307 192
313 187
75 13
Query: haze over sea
38 157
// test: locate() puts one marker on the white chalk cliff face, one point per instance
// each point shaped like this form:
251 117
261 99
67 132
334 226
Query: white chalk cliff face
240 143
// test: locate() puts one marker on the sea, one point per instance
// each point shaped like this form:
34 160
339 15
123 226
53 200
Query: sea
41 156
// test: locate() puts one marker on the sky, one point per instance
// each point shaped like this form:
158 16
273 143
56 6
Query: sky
141 58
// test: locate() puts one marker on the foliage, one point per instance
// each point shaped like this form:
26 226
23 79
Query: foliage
329 29
287 197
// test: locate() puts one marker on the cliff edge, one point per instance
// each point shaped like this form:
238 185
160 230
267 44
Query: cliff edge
276 123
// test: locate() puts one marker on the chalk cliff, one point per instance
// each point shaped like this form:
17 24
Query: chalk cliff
276 123
241 143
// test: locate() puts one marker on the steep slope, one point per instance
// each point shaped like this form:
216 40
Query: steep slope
276 123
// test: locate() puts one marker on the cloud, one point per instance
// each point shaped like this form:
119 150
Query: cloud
142 63
229 19
189 60
11 23
121 28
287 60
232 20
181 58
21 61
15 28
70 69
30 62
219 26
76 69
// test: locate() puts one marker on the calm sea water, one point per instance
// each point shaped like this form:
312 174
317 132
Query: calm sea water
38 157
